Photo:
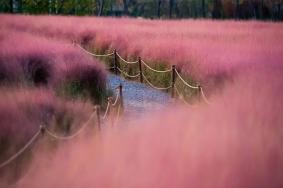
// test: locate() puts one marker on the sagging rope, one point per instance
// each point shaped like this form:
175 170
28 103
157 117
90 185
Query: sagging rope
153 86
186 83
203 96
127 75
111 68
73 135
154 70
119 102
128 62
43 129
193 87
158 71
36 135
16 155
116 100
106 111
95 55
118 114
181 96
109 104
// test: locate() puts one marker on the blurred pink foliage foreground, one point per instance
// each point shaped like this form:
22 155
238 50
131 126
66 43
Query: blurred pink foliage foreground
236 142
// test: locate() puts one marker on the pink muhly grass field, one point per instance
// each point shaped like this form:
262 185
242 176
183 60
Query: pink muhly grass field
23 111
207 50
235 142
23 57
36 79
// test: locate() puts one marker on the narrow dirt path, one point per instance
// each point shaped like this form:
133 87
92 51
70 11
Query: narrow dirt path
139 99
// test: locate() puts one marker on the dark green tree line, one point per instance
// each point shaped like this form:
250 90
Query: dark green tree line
218 9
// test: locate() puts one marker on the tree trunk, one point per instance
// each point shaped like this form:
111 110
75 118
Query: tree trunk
92 7
101 6
237 14
56 6
278 10
49 6
111 8
159 8
20 8
203 8
11 6
171 3
125 7
60 7
75 8
217 6
142 9
262 9
177 11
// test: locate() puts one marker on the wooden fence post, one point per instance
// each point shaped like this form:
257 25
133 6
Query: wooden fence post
42 129
110 102
115 62
199 93
173 78
121 96
140 69
97 110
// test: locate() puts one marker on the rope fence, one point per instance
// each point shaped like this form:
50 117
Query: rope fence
180 96
153 86
118 102
186 83
43 130
157 71
117 105
125 61
93 54
107 109
50 133
127 75
143 65
204 96
22 150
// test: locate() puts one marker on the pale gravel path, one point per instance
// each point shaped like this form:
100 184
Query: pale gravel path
139 99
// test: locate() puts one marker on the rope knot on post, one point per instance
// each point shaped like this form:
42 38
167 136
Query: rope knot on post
115 62
42 129
173 78
199 91
121 95
110 102
141 74
97 111
140 70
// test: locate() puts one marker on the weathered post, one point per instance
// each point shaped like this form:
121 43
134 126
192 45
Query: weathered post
115 62
199 92
121 96
110 101
140 69
42 129
173 78
97 111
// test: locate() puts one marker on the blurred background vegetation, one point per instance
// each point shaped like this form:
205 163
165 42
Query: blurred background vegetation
218 9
